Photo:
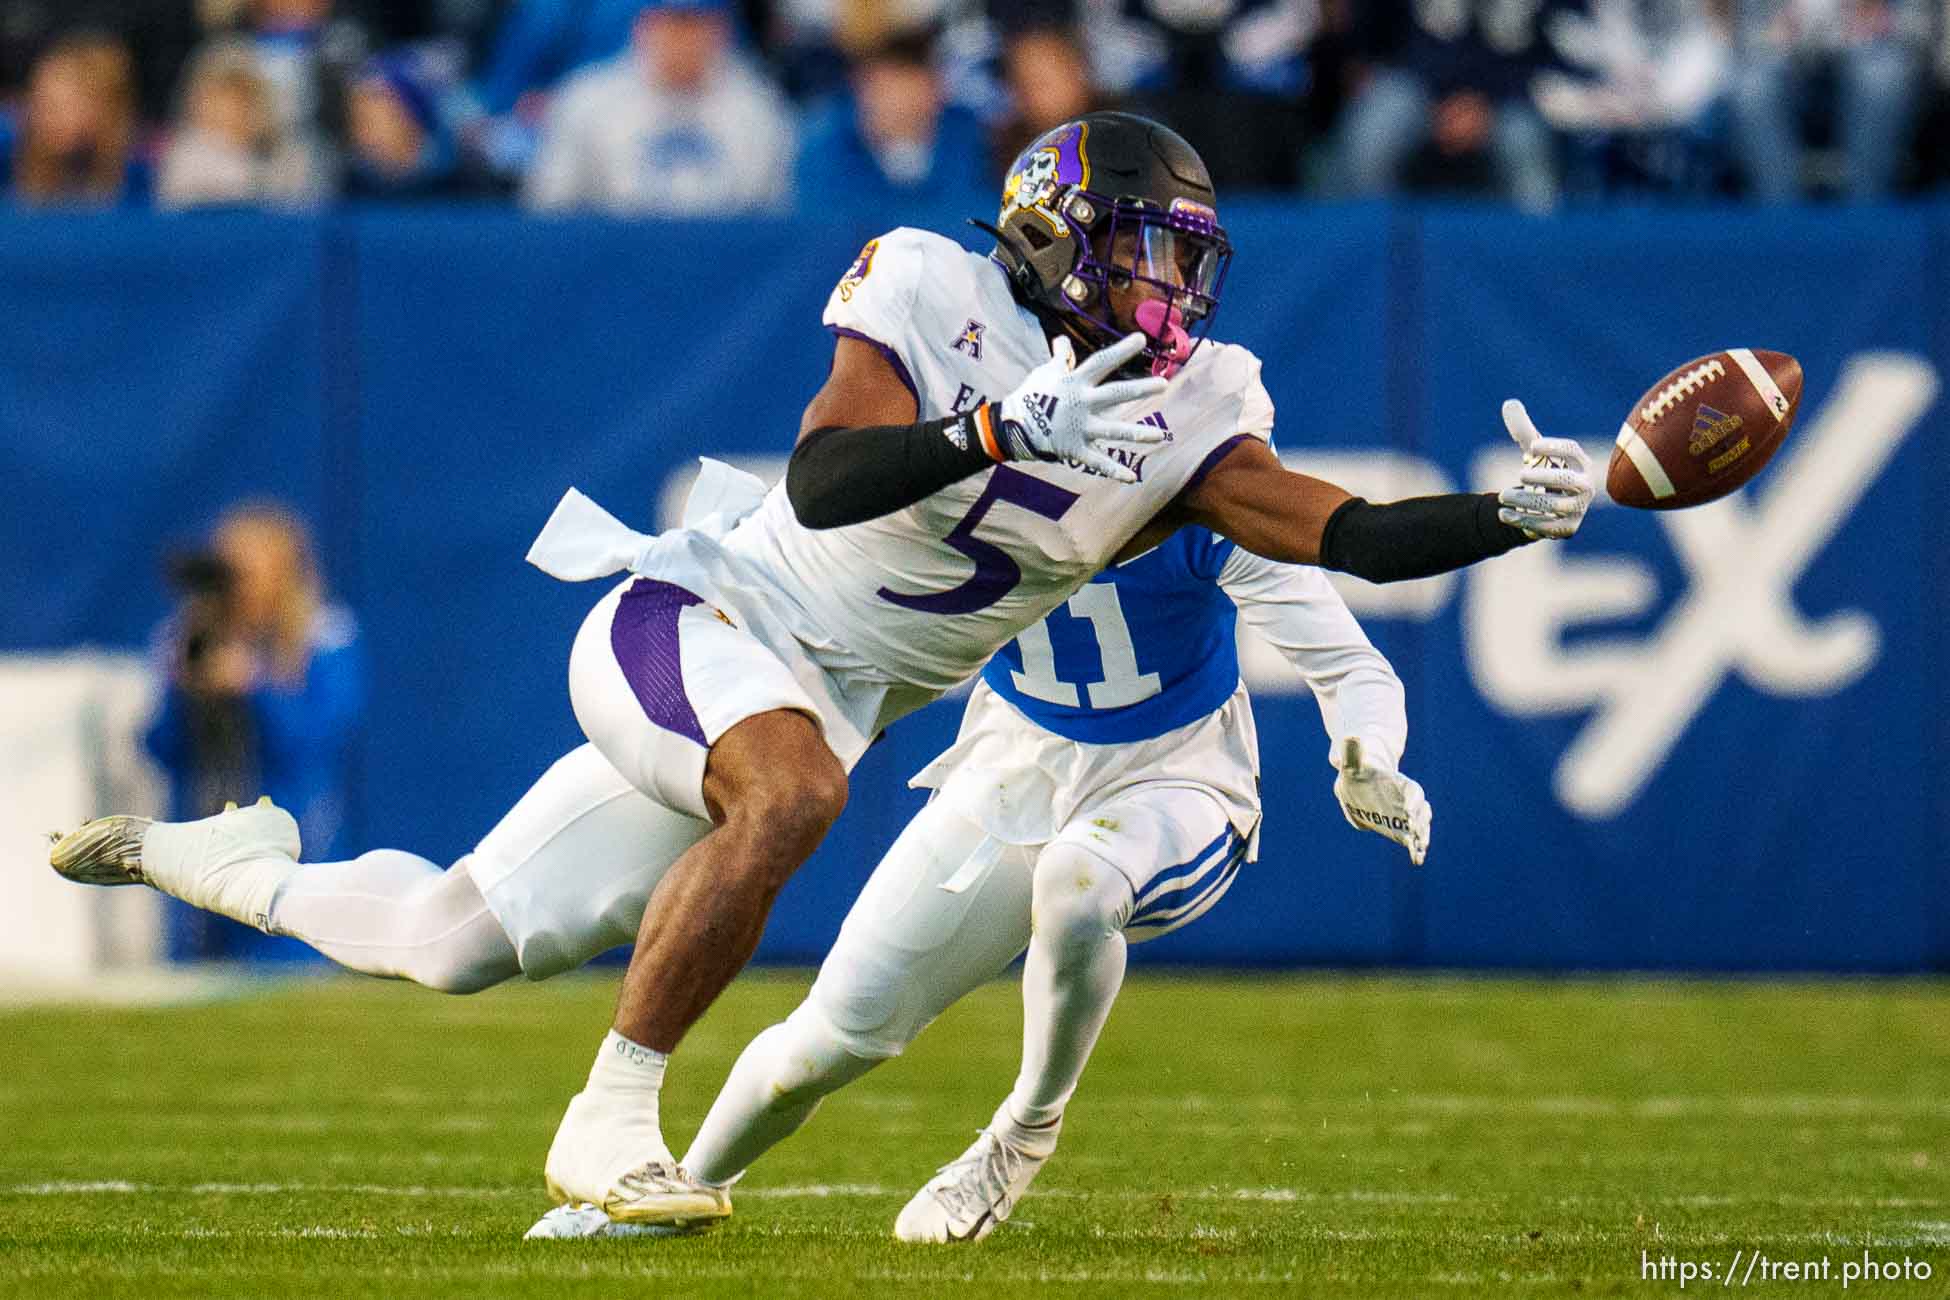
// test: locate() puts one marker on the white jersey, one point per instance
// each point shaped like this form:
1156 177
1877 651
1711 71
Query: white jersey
928 593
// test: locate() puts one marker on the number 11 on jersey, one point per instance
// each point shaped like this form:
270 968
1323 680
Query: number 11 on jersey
1122 683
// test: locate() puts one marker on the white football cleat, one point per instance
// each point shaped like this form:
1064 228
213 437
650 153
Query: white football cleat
614 1159
967 1198
230 864
582 1221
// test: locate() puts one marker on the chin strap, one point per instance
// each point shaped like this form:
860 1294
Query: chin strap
1014 260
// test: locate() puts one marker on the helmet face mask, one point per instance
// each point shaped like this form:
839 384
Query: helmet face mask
1177 256
1108 224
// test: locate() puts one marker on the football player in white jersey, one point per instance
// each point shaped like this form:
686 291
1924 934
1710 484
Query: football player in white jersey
1106 781
732 680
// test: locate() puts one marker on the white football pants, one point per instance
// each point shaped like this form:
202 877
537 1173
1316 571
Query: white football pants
565 875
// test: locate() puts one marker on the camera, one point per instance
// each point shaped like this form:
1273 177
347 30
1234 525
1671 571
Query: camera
207 584
221 730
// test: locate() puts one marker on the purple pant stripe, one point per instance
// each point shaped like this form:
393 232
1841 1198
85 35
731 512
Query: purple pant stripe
643 637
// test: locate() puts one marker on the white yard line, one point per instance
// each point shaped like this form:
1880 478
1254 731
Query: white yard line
120 1187
867 1191
1763 1106
1263 1107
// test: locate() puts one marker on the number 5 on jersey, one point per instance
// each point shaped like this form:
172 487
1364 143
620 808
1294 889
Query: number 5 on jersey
996 572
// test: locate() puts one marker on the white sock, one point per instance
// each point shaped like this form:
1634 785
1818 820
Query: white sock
1063 1012
172 853
1035 1140
778 1082
251 889
1070 979
612 1125
627 1071
395 915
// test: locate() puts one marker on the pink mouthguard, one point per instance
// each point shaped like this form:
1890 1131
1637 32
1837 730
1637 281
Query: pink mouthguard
1166 326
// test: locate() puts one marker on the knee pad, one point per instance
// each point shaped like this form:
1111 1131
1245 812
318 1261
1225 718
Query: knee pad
1080 898
816 1057
477 958
460 978
858 1012
455 943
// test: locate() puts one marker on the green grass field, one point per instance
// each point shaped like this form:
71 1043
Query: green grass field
1392 1136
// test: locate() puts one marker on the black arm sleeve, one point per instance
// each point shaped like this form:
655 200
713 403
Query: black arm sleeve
1417 538
841 476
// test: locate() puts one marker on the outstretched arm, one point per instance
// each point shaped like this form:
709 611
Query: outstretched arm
1271 511
861 390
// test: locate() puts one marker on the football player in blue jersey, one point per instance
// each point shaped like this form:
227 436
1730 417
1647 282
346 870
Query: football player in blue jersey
1105 784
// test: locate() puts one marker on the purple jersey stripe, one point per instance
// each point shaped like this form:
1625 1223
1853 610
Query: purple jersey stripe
643 636
893 359
1210 463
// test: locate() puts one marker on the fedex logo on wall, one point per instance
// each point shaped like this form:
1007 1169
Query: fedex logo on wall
1736 616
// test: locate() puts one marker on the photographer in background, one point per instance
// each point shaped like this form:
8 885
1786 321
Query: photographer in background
265 687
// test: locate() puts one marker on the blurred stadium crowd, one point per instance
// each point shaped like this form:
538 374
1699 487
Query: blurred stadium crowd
699 107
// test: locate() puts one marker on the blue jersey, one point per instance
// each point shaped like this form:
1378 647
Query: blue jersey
1142 649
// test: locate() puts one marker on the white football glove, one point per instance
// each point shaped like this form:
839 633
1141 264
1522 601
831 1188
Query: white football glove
1386 802
1554 489
1056 413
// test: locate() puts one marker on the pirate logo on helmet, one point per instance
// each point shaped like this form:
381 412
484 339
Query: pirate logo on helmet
1056 159
1032 182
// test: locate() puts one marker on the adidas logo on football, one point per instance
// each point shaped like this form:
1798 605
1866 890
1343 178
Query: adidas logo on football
1711 427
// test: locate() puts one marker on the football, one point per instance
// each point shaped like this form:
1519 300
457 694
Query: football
1704 429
